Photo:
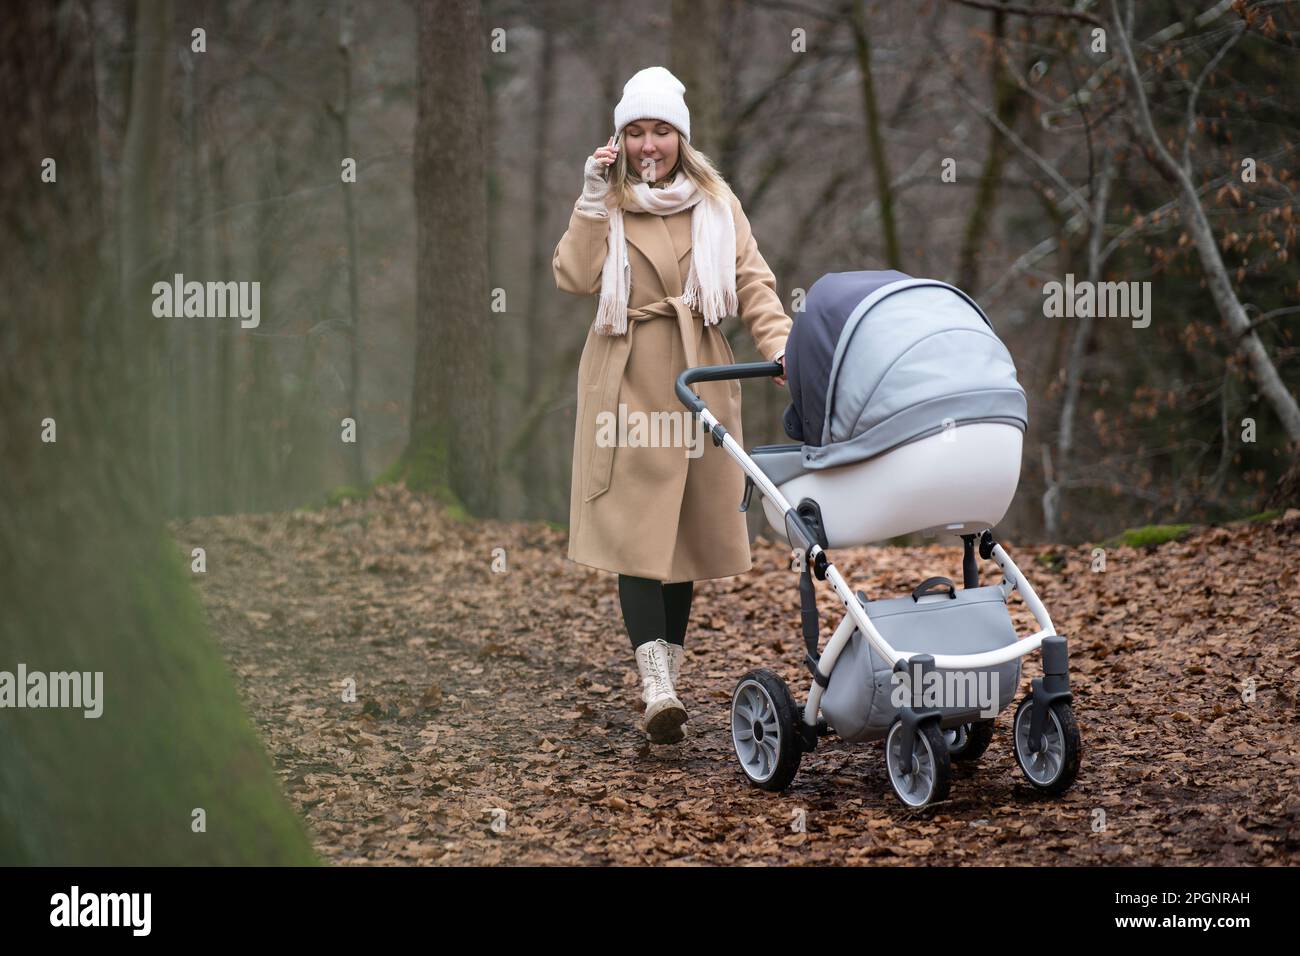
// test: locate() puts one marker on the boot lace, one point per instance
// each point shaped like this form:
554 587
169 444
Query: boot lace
662 685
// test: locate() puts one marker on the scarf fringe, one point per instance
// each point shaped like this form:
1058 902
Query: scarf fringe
610 319
714 307
611 312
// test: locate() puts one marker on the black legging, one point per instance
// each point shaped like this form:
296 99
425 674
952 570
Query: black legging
652 609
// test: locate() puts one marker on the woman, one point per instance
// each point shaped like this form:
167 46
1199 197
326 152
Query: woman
663 241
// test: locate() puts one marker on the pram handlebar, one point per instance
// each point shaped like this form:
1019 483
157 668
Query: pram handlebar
717 373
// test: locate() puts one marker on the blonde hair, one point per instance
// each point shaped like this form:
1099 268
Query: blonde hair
697 167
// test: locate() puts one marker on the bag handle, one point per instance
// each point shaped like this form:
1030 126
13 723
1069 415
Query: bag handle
934 586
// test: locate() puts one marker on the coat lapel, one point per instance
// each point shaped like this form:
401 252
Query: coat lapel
649 233
684 257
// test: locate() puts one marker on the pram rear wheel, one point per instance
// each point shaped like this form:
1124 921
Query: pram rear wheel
1056 763
968 742
923 777
763 730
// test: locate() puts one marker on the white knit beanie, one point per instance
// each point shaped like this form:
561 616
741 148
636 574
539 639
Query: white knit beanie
653 93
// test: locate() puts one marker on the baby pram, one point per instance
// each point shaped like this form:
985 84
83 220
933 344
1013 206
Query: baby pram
908 418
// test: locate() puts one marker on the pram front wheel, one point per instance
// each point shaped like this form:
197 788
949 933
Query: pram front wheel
924 775
763 730
968 742
1056 763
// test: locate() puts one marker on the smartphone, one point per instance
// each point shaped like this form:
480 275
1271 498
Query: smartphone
604 170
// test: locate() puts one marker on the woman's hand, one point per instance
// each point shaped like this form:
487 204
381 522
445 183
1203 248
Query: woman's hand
780 379
595 184
606 154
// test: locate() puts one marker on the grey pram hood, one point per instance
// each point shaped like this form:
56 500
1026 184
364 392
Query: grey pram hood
879 359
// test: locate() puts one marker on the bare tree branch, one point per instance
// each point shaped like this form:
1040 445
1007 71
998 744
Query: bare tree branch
1048 170
1196 91
1157 38
1020 11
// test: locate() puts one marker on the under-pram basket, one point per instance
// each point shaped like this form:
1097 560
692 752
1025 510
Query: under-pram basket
908 418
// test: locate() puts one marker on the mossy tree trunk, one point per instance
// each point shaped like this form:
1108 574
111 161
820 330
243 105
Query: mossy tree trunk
450 449
91 581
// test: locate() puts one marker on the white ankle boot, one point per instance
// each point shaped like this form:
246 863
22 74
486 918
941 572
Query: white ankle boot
664 713
675 654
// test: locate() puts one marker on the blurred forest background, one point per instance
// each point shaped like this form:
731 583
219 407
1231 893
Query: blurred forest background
831 120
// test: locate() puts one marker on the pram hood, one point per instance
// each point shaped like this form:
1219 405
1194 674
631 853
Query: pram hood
880 359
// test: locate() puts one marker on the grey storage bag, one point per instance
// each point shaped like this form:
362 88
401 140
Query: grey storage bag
857 703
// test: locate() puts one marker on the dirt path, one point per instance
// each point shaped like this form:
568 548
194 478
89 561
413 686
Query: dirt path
496 713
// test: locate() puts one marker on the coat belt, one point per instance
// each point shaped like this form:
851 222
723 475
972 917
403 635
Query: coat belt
602 461
664 308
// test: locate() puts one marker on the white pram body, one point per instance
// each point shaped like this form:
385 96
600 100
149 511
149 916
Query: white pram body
958 481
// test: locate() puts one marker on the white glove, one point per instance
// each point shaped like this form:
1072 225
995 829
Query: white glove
594 189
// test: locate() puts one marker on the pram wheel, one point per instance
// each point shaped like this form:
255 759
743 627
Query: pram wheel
969 741
1053 768
763 730
924 776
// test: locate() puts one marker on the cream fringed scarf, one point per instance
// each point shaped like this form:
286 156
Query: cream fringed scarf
711 282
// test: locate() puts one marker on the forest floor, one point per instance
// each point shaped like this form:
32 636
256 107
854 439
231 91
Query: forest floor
496 711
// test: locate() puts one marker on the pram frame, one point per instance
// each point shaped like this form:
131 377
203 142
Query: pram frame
855 616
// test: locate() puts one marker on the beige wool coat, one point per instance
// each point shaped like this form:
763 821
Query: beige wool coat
656 512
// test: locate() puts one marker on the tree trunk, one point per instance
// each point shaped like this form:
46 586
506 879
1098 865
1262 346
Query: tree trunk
541 486
138 225
450 448
1006 100
192 342
876 142
356 460
695 61
1286 493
